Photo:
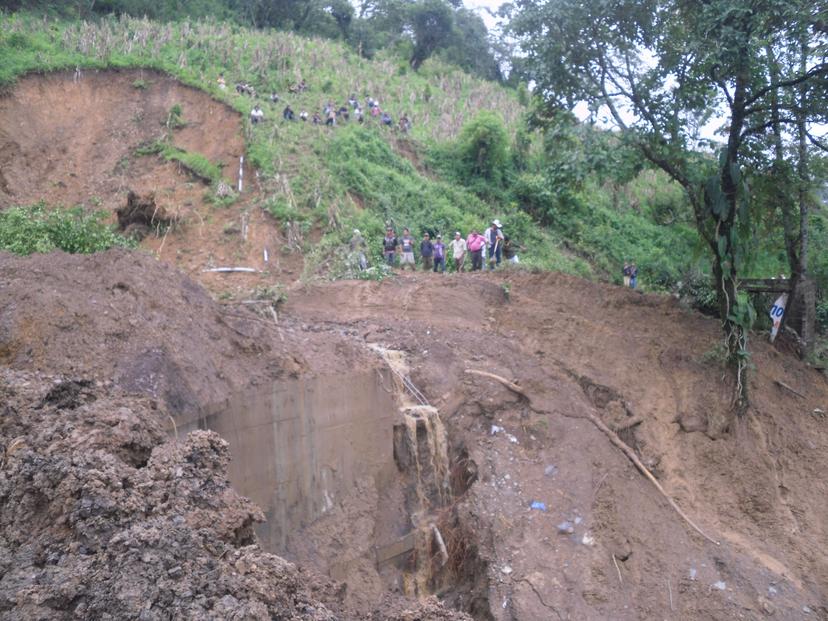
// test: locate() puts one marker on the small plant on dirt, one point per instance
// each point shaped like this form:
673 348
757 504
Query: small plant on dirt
140 84
717 354
175 118
507 290
274 294
220 195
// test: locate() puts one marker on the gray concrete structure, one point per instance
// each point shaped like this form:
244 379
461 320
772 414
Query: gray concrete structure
299 446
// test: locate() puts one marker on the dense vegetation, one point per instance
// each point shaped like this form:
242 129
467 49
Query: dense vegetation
36 228
416 29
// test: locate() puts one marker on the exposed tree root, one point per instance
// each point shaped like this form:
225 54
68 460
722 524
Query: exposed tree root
613 437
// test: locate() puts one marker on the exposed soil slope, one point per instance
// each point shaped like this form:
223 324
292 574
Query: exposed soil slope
67 140
756 484
72 140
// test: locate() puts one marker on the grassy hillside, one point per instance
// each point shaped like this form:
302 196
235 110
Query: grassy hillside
363 176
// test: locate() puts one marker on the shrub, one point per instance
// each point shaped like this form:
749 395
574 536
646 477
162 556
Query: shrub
37 228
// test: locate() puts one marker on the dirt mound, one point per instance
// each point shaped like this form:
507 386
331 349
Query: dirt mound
92 489
124 318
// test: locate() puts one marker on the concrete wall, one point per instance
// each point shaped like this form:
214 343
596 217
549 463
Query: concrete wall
299 446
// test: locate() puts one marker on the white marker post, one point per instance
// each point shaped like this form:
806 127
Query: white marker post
241 172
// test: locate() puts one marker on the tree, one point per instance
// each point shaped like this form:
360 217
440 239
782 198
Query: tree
432 22
660 70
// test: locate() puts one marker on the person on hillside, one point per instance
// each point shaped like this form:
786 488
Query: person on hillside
358 249
458 251
316 118
274 98
427 253
494 243
407 248
352 101
387 120
359 116
222 84
303 116
626 273
633 275
389 247
288 114
375 110
330 119
256 115
510 250
405 123
343 113
476 243
439 255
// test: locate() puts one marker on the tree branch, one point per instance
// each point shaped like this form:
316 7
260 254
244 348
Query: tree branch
816 141
758 129
819 70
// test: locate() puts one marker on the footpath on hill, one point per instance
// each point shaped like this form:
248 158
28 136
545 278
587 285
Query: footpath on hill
116 513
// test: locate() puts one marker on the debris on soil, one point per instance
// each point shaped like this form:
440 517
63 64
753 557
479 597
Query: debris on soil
141 215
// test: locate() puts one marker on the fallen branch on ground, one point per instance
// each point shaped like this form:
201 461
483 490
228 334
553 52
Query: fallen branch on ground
613 437
788 388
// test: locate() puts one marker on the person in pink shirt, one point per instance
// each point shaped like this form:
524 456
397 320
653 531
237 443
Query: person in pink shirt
475 243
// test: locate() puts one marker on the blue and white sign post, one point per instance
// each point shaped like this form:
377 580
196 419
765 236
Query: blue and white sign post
777 311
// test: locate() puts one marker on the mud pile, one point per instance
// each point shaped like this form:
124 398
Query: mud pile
103 518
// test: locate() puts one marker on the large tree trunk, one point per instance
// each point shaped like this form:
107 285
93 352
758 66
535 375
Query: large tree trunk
725 268
801 271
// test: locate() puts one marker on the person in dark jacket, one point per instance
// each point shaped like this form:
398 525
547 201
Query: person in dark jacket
389 247
427 252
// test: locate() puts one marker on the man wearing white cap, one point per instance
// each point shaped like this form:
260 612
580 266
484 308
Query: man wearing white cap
458 251
494 243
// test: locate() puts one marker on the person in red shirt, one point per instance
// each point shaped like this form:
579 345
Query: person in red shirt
476 243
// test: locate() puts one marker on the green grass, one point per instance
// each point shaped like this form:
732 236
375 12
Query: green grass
196 163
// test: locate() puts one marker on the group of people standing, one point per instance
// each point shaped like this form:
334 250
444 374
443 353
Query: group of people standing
434 252
331 114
